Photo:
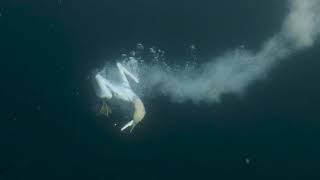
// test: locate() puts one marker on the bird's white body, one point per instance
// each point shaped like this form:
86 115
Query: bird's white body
122 91
108 89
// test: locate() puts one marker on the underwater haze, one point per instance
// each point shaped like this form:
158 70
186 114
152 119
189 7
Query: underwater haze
230 89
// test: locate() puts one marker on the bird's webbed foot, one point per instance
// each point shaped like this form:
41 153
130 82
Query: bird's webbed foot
105 109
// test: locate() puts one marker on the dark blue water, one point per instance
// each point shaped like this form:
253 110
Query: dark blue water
48 127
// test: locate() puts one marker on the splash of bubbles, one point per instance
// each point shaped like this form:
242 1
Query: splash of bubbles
232 72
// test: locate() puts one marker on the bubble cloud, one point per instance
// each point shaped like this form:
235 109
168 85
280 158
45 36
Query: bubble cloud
231 72
235 70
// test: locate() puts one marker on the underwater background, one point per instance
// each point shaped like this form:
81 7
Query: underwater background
49 128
